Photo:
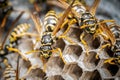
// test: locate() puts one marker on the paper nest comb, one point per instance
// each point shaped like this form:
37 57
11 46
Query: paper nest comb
79 65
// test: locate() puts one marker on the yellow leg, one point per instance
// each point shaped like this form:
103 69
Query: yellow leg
68 39
26 34
44 67
69 24
16 50
85 44
60 53
104 46
109 61
96 34
68 28
104 36
33 51
66 21
37 40
104 21
44 63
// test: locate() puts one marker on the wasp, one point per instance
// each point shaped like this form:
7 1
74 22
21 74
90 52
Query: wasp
115 46
3 47
85 17
10 73
5 10
48 38
15 35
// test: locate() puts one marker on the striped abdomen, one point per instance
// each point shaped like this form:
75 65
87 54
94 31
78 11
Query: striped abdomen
78 8
116 48
18 30
50 21
9 73
115 30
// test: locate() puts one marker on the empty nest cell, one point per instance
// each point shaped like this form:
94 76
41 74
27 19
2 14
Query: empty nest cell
54 66
72 52
60 44
72 72
56 77
90 61
108 70
74 33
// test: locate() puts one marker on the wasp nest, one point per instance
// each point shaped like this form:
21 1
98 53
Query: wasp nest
79 65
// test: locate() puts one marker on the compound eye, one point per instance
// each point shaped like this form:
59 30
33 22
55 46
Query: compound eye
48 47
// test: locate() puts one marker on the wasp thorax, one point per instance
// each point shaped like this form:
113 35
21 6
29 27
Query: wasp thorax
47 39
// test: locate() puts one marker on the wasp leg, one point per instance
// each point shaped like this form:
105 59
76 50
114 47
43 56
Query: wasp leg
43 61
103 46
109 61
32 51
64 23
60 53
96 34
104 21
37 40
85 44
68 39
16 50
69 24
104 36
26 34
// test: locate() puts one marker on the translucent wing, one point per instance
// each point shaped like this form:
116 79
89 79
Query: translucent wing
37 23
94 7
62 18
105 28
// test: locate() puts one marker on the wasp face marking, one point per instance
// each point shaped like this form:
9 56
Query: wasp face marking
90 22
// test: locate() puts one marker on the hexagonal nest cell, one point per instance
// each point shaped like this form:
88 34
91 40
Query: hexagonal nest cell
73 63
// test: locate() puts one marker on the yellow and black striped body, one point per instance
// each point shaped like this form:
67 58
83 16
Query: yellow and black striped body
47 40
116 48
78 8
18 30
13 39
9 73
90 21
50 21
84 17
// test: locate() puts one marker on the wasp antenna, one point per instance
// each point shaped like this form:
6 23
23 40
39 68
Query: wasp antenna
11 27
94 6
62 18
